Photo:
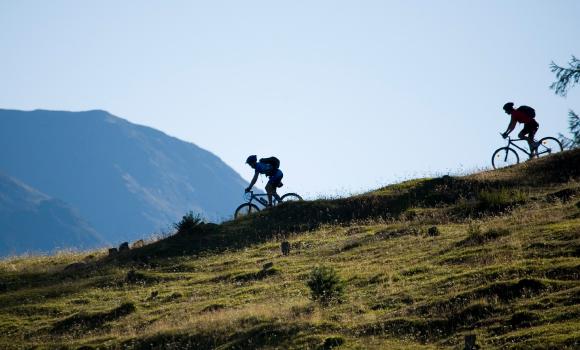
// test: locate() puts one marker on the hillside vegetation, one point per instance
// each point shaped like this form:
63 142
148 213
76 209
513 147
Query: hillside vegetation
425 262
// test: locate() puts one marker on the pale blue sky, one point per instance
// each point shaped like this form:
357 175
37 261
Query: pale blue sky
349 94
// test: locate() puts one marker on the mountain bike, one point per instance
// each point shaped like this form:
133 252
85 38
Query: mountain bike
253 200
506 156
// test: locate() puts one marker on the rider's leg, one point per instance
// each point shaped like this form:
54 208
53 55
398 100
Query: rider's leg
270 190
275 194
526 134
533 131
273 184
277 182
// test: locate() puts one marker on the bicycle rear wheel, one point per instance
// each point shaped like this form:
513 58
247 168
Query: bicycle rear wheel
548 145
503 157
245 210
290 197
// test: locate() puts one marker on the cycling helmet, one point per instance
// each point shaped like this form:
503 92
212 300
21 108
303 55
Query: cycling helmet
252 159
508 106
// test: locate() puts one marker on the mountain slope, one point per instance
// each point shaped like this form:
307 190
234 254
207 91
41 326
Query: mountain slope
127 180
31 221
426 262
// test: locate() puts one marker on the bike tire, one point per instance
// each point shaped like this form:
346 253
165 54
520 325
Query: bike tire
245 210
503 157
548 145
290 197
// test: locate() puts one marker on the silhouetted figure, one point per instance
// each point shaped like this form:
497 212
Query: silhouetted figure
525 115
269 167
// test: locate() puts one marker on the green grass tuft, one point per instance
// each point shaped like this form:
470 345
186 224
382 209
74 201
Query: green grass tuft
325 285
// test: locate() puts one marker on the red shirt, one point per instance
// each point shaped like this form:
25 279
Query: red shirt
520 117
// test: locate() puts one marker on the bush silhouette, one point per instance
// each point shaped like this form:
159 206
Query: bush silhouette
325 285
188 223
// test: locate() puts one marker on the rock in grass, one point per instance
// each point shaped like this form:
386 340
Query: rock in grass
433 231
267 265
113 251
285 248
153 295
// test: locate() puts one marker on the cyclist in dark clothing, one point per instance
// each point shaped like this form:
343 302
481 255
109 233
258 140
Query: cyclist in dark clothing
520 116
275 177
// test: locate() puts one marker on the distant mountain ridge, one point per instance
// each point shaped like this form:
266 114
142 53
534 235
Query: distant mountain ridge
31 221
127 180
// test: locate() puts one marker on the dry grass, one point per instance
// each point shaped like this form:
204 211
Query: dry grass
509 276
47 263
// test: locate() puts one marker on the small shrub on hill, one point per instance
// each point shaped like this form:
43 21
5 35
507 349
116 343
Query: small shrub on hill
500 199
86 321
523 319
325 285
188 223
474 229
136 277
331 343
477 236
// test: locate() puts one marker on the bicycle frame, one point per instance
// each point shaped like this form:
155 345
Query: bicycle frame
546 145
256 197
512 142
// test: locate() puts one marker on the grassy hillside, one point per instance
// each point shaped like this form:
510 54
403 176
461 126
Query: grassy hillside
502 262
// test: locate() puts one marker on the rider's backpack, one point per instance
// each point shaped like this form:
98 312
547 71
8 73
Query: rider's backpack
527 110
273 162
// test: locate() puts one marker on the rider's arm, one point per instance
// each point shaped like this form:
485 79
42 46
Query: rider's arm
510 127
254 179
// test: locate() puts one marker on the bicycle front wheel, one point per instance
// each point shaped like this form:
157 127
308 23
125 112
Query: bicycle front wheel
290 197
245 210
503 157
549 145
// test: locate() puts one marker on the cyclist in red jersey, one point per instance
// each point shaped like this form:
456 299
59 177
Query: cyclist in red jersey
524 115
